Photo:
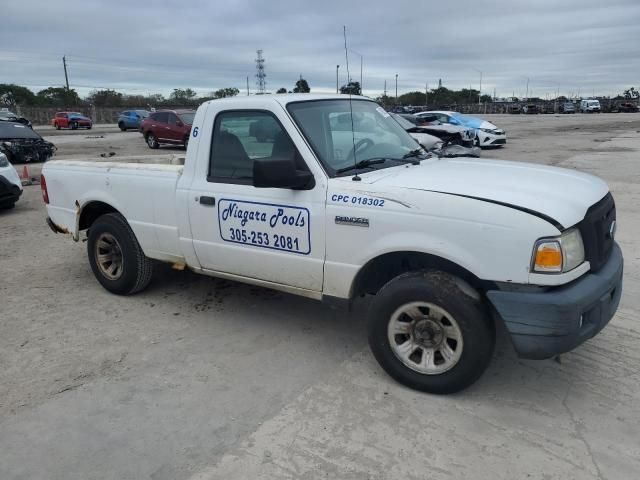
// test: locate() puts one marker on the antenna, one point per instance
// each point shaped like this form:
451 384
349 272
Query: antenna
355 178
260 75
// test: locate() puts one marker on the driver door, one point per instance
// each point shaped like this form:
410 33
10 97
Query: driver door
271 234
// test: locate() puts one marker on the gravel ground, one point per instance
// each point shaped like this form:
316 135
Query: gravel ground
198 378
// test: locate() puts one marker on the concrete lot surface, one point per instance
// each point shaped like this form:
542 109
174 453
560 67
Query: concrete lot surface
198 378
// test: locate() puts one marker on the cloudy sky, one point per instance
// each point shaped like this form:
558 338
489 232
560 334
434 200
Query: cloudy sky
578 47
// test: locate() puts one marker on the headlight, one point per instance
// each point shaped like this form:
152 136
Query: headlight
558 254
488 130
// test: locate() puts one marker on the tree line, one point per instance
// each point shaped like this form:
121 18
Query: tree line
12 95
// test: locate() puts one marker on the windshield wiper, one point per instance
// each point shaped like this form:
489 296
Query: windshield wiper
362 164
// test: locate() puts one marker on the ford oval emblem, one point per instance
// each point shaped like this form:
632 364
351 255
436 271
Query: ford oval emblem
612 230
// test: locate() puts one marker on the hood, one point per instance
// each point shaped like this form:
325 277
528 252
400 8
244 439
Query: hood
559 195
475 122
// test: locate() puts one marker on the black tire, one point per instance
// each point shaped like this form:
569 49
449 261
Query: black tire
186 142
469 314
122 127
7 206
74 125
152 141
476 141
137 268
57 125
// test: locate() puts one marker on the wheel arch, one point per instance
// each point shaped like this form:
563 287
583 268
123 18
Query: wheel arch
381 269
91 211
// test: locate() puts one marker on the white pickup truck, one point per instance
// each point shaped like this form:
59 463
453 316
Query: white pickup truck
280 191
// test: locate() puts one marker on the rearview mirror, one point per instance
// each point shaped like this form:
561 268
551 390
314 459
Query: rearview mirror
280 173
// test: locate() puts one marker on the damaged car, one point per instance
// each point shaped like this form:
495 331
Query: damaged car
443 140
22 145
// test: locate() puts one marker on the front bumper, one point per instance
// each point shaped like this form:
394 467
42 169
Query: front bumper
544 324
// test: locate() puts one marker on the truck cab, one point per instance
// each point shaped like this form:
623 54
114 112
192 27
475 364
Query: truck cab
329 198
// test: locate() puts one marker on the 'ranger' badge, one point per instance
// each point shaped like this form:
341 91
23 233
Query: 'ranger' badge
354 221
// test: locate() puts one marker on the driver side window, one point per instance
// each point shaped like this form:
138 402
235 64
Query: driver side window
240 137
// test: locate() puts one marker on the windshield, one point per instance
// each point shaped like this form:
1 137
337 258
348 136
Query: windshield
16 130
187 117
327 126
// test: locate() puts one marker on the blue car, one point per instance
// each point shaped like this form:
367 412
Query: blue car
131 119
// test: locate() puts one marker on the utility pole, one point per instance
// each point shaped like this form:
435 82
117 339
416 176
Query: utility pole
527 96
396 88
337 81
426 94
385 88
66 76
247 85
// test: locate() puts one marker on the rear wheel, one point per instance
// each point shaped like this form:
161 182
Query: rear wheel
57 125
116 258
152 141
74 125
429 334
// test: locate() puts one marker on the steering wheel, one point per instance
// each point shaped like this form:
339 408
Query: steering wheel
360 144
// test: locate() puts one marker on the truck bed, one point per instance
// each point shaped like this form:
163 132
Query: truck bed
142 191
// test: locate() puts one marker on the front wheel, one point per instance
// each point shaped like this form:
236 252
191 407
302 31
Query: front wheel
116 258
429 333
122 127
57 125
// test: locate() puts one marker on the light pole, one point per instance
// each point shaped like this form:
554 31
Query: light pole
396 88
361 62
479 91
337 87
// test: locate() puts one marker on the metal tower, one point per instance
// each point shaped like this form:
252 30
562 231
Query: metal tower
260 75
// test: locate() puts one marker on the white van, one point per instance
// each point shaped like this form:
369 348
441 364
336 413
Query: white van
589 106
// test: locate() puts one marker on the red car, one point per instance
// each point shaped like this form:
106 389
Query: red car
72 120
167 126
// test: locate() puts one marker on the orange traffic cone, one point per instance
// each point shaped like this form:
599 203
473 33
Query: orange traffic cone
26 179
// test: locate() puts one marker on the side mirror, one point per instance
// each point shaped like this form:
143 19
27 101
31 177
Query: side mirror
280 173
453 121
179 123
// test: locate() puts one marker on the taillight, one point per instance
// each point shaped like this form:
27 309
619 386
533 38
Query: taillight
43 188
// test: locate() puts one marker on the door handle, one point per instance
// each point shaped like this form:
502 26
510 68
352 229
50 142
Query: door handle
210 201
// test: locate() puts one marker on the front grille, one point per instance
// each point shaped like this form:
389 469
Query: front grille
596 232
